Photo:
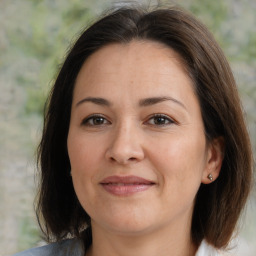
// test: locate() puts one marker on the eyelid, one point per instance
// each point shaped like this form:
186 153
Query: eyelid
171 120
90 117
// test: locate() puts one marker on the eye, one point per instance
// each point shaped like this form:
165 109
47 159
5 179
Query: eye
160 120
95 120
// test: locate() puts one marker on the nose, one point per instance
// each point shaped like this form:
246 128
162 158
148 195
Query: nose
125 146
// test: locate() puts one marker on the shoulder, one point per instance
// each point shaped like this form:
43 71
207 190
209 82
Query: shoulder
71 247
206 249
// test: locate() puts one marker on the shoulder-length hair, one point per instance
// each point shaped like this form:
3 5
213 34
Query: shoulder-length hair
218 205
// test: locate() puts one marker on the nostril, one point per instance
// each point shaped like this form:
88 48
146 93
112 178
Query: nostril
123 161
112 159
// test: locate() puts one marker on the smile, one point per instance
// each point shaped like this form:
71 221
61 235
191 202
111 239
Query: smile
125 186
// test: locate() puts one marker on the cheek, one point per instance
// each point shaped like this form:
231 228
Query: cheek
86 156
83 160
83 165
82 153
180 160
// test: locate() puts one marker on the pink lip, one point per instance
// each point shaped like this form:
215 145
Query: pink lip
125 185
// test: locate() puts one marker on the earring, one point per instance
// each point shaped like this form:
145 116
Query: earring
210 177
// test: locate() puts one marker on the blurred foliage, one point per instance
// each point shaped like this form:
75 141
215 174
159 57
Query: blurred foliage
28 233
42 36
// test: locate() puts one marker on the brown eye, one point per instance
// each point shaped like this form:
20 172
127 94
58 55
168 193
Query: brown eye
160 120
98 120
95 120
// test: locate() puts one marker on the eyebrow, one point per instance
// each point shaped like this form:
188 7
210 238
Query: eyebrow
98 101
142 103
154 100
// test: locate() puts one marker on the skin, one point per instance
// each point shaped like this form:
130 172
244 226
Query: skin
128 140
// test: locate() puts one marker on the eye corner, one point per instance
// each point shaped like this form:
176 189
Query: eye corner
95 120
160 120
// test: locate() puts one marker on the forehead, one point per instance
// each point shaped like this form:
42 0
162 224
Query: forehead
132 62
136 51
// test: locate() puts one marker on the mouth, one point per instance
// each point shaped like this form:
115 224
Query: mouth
126 185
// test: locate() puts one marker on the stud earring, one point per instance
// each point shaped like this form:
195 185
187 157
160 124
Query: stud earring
210 177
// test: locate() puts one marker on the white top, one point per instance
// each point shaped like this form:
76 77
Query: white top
206 250
74 247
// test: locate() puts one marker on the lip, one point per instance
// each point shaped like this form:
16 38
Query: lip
126 185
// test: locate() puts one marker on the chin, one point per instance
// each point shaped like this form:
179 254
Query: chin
131 230
128 224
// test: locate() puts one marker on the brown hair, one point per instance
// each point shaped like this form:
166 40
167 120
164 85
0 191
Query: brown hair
218 205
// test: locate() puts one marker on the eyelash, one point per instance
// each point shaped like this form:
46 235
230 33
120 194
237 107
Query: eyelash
94 117
163 117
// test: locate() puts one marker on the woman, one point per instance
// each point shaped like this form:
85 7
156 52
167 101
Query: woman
144 148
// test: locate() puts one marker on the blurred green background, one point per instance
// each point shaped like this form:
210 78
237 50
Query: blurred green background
34 38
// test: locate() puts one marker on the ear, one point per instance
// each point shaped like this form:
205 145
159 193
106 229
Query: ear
215 155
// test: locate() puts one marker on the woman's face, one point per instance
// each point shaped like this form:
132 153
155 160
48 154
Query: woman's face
136 139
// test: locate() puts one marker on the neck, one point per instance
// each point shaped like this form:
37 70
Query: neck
164 242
